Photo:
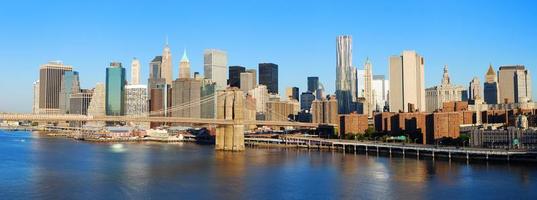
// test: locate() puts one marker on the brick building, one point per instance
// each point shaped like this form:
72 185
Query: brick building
352 124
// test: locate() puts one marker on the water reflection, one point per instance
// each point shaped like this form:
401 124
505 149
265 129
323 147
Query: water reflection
53 168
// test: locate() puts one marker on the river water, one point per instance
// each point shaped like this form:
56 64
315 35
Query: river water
34 166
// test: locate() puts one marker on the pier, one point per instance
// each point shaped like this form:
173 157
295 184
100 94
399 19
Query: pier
396 149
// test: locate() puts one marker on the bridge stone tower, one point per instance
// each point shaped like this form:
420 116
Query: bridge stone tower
230 106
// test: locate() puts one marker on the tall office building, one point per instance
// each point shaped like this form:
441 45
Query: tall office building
313 83
234 79
135 72
35 105
97 104
254 72
215 64
306 98
79 102
261 96
369 102
70 85
208 99
407 83
167 69
515 84
136 100
158 90
184 66
155 68
50 82
360 83
490 87
343 73
247 81
380 87
268 76
186 97
475 89
445 92
354 84
115 89
292 93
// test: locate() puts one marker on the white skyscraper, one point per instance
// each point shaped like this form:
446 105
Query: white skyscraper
167 71
135 72
368 94
35 107
215 67
136 100
360 83
380 87
184 66
343 73
407 83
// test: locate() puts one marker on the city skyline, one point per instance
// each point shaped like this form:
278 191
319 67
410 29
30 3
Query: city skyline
90 53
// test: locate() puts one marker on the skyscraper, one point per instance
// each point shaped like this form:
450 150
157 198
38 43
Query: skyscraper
254 72
368 93
97 104
136 100
35 105
380 87
208 99
215 64
50 82
306 98
490 87
158 90
167 70
268 76
234 79
343 73
247 81
515 84
354 84
313 83
261 96
135 72
475 89
186 98
184 66
360 83
80 101
115 89
445 92
407 84
70 85
292 93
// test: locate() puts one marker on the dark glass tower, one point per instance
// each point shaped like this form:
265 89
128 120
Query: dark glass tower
234 79
313 83
115 89
268 76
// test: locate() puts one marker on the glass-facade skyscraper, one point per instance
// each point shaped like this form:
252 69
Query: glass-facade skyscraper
268 76
234 79
115 89
313 83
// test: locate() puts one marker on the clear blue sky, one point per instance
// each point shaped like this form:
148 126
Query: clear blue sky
297 35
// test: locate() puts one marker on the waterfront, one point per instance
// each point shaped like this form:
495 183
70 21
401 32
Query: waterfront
34 166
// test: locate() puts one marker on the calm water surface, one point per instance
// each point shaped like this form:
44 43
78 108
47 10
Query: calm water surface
33 166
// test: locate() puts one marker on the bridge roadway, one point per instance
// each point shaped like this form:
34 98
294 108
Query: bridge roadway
398 148
182 120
